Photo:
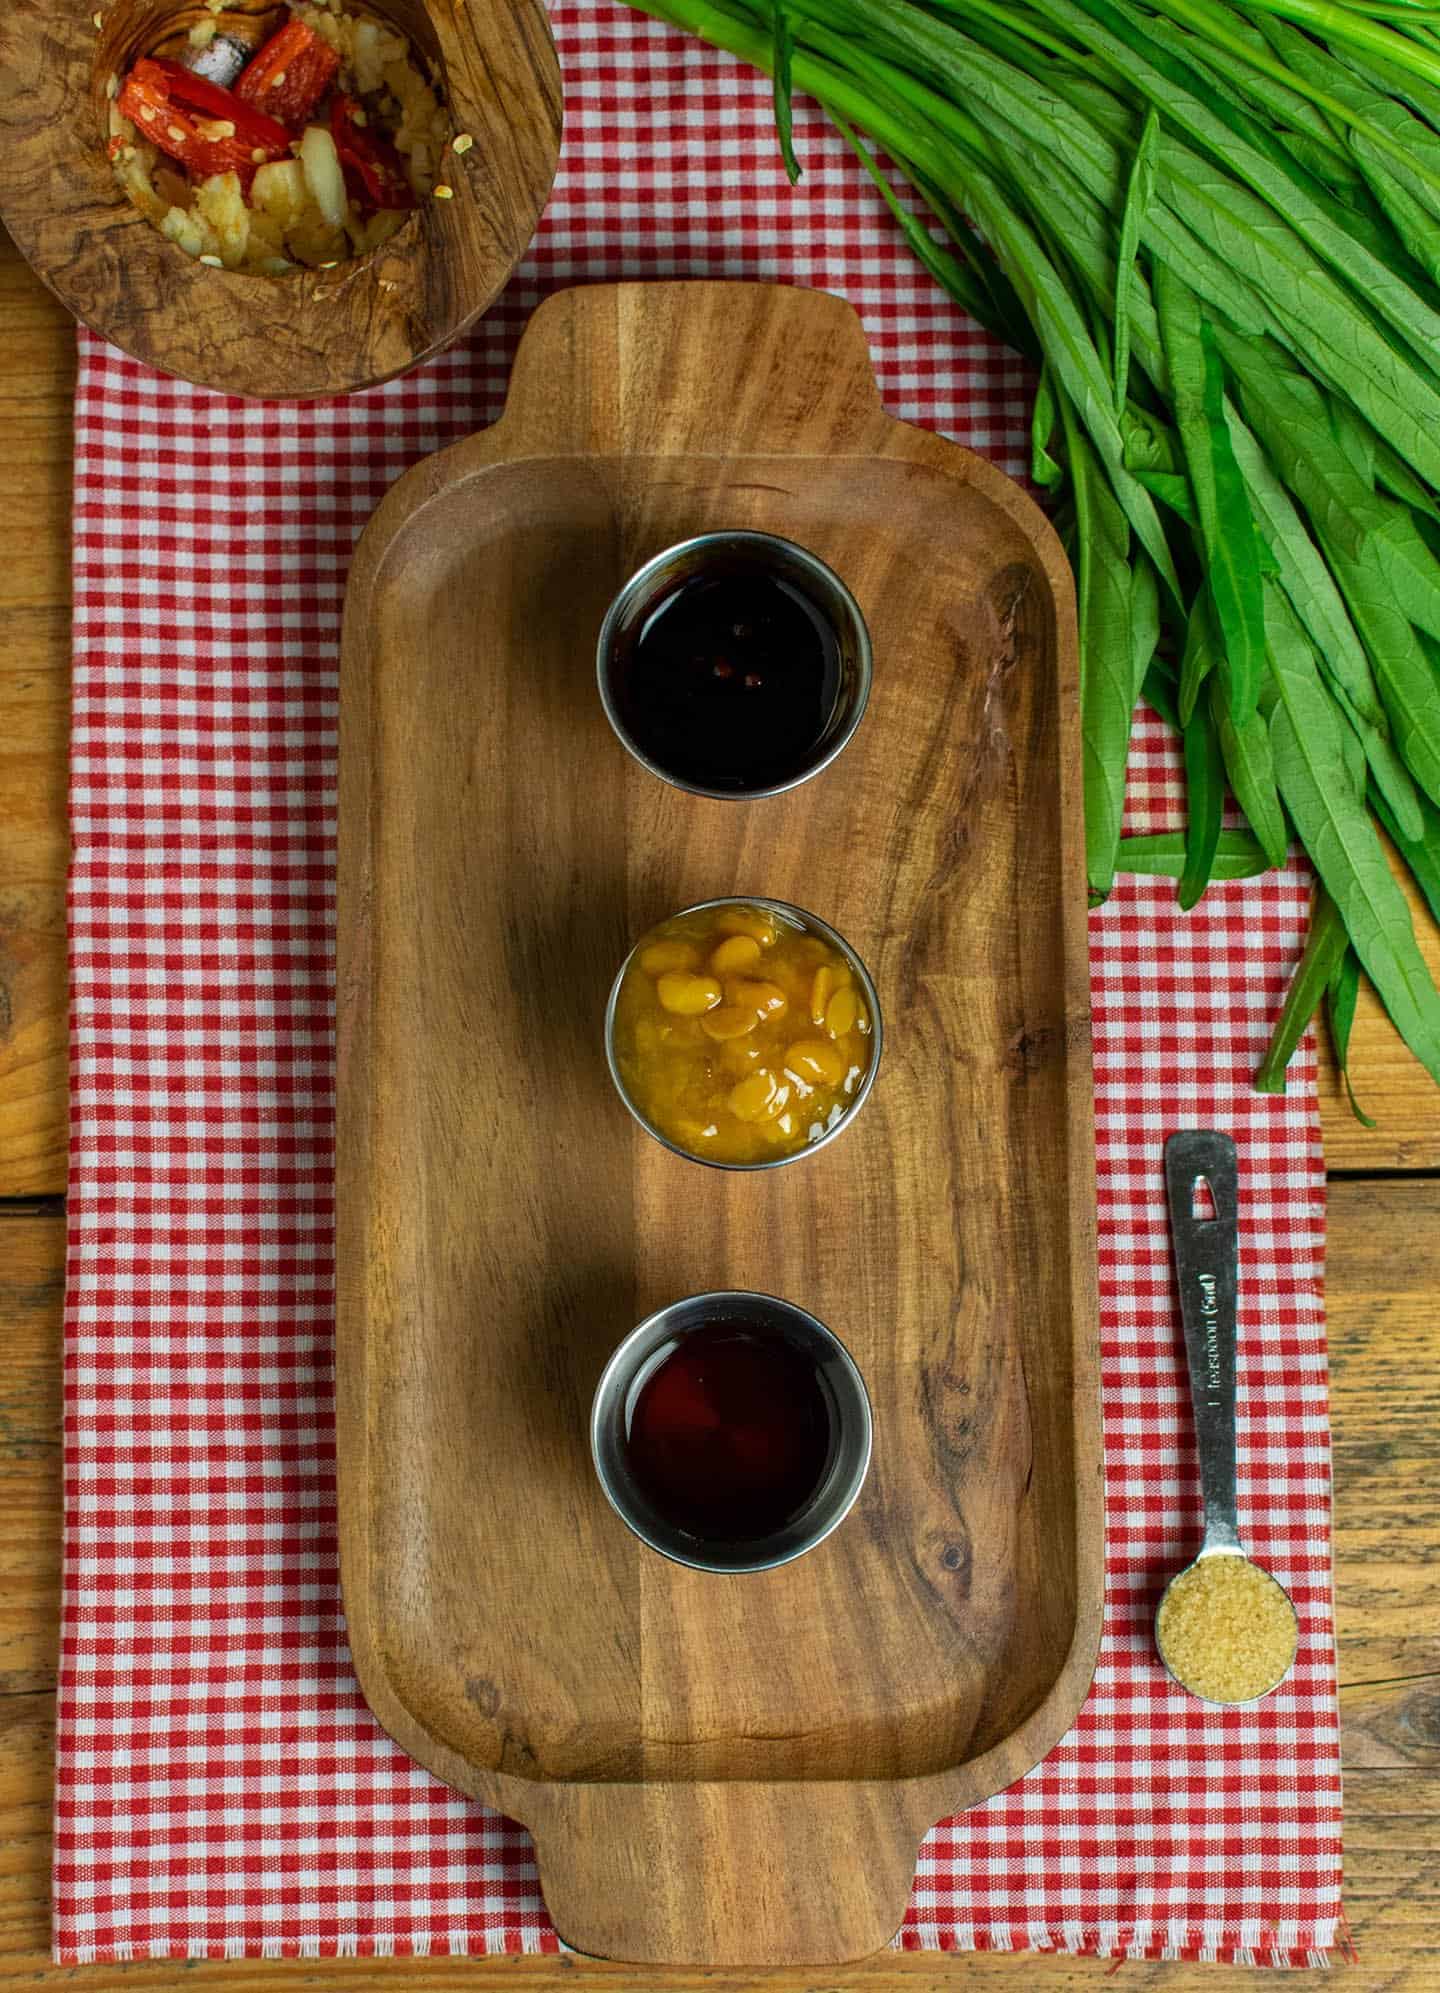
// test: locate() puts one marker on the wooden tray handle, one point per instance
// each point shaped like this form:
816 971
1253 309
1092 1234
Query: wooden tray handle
754 366
726 1874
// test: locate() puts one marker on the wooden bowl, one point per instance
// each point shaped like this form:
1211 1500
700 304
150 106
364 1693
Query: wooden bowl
317 332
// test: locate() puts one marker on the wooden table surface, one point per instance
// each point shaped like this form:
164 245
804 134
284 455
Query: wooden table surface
1383 1282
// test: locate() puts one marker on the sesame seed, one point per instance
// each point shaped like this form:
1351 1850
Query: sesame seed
147 113
112 88
331 264
463 143
444 193
359 118
175 132
277 79
258 155
213 262
98 19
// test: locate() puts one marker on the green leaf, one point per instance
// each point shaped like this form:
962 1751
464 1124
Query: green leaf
1108 652
1325 947
1200 655
1341 344
1250 767
1152 456
1355 437
1002 310
1352 755
1149 445
1410 138
1271 188
967 281
1232 549
1316 600
1044 470
1409 686
1161 855
1234 571
1291 417
1171 489
1205 805
1304 576
1343 845
1340 1004
1144 622
1411 571
1159 694
1071 352
1394 475
784 40
1138 195
1391 777
1409 218
1163 234
1422 853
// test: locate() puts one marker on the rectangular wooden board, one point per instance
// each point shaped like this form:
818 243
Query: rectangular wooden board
503 1222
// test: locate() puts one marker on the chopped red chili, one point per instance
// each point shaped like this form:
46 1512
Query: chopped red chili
373 168
183 115
290 74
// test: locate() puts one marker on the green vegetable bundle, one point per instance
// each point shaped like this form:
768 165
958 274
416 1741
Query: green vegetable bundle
1215 229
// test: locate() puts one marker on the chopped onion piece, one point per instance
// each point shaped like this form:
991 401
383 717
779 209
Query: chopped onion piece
322 169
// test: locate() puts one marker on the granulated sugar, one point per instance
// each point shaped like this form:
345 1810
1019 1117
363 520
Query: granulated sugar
1226 1629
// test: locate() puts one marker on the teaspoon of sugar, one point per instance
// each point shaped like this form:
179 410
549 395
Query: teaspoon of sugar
1226 1630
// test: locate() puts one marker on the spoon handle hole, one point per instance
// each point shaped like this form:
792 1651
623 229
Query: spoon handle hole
1202 1202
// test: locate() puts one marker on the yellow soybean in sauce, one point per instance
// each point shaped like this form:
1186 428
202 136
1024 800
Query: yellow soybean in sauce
740 1035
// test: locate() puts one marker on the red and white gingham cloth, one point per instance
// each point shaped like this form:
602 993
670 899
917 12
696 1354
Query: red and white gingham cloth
221 1787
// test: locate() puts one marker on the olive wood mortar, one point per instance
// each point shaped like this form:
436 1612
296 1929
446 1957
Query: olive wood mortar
317 332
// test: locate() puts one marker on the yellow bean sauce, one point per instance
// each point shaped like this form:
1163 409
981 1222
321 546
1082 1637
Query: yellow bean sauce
740 1036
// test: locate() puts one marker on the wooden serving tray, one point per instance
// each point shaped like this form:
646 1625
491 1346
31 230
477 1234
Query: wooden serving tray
730 1770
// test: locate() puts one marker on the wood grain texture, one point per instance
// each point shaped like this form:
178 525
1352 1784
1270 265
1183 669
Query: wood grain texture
502 1222
32 1278
317 332
1389 1728
37 376
1384 1426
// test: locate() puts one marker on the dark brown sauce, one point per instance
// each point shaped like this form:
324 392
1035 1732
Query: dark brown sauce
731 681
730 1435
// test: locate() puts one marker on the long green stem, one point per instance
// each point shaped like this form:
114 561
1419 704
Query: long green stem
1349 24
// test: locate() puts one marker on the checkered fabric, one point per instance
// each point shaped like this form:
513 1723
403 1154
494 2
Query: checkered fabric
221 1787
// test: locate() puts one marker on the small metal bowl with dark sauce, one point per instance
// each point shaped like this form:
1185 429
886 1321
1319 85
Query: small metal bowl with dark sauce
731 1431
735 665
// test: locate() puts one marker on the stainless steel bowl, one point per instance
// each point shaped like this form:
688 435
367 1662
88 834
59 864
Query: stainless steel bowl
812 924
647 1346
807 572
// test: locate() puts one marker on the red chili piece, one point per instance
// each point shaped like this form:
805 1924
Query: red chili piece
373 168
174 108
290 74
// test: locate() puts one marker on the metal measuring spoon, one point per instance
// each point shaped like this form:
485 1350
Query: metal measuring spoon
1207 1266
